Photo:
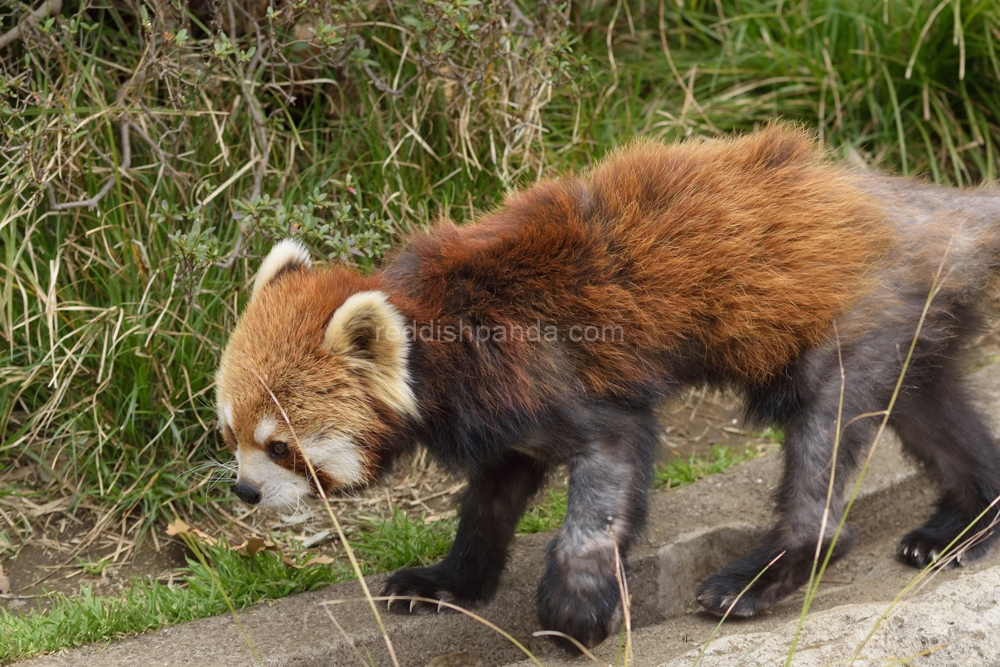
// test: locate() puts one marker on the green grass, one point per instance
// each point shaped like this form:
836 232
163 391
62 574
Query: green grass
680 472
148 605
907 86
548 513
246 580
400 541
545 514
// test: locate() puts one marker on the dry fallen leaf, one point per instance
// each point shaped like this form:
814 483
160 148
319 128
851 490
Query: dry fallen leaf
315 560
322 559
254 546
432 518
179 528
4 582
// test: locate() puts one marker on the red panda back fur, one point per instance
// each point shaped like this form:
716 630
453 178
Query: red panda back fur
752 247
742 250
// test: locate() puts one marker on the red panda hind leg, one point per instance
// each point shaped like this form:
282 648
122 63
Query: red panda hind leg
937 425
940 427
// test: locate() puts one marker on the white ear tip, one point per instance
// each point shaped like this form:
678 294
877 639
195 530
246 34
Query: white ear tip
286 254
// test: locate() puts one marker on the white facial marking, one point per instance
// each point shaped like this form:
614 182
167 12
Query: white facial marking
265 429
335 455
390 378
278 487
226 415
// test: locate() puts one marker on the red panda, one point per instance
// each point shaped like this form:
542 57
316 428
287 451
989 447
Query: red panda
548 332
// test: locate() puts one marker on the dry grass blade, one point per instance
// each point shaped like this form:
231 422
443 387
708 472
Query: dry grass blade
928 572
195 548
625 598
812 587
336 522
347 638
732 606
447 605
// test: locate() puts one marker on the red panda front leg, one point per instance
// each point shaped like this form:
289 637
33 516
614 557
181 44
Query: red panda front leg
490 507
579 595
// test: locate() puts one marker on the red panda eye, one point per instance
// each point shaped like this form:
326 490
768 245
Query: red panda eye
277 450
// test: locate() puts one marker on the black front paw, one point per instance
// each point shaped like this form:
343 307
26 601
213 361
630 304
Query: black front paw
580 596
729 591
404 586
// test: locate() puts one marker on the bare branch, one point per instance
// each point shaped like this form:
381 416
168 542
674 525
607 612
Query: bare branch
122 168
234 255
381 85
52 7
518 16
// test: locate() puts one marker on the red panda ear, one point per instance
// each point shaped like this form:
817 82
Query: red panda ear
287 255
367 328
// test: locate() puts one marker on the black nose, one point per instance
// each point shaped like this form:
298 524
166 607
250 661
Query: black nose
248 493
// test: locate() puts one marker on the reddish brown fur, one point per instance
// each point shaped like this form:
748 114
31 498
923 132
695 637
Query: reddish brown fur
757 243
741 251
271 350
723 259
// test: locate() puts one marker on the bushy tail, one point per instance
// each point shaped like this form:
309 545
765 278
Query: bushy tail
956 230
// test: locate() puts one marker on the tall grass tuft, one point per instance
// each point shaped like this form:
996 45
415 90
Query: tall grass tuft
152 152
907 86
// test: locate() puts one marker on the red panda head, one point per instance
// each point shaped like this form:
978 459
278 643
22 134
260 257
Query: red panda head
315 372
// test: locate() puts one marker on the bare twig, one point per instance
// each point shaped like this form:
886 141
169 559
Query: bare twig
381 85
91 203
688 91
165 157
228 262
260 129
518 16
52 7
